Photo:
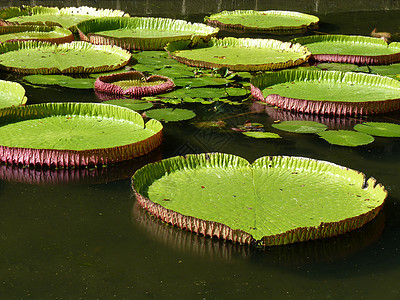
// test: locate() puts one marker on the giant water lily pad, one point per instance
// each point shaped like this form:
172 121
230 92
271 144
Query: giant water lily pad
142 33
239 54
11 94
74 134
379 129
33 57
351 49
42 33
134 84
327 92
66 17
275 200
271 21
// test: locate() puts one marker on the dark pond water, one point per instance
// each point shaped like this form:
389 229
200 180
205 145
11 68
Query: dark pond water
72 234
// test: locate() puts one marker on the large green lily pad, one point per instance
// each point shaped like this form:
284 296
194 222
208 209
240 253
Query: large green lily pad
239 54
271 21
33 57
11 94
327 92
273 201
351 49
66 17
42 33
142 33
74 134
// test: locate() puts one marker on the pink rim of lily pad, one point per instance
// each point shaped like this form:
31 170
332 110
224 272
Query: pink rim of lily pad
106 84
357 41
326 107
358 59
75 158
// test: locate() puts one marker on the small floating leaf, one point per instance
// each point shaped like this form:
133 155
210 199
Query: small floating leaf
61 80
346 137
262 135
379 129
300 126
131 104
170 114
201 81
337 67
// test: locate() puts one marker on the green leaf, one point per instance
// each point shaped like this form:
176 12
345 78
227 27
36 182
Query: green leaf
31 57
337 67
66 17
11 94
239 54
261 135
43 33
300 126
170 114
327 92
201 81
131 104
346 137
272 21
145 33
379 129
347 45
276 200
205 93
61 80
176 72
73 134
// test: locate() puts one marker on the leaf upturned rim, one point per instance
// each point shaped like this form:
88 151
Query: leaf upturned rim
145 176
33 45
75 158
24 10
87 32
385 59
338 108
310 21
105 84
171 48
15 89
67 37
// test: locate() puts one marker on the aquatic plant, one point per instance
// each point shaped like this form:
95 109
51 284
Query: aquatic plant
274 201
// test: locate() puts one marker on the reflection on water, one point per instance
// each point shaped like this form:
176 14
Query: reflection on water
291 256
84 175
278 114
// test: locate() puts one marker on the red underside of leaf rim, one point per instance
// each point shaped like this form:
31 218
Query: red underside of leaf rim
74 158
357 59
279 30
105 84
334 108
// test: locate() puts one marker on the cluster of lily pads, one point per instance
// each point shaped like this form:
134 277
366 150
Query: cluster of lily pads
133 63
